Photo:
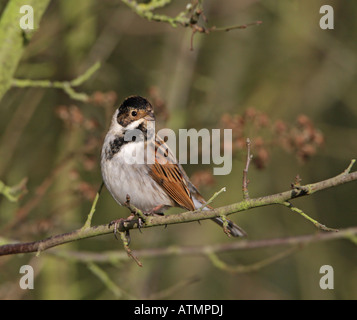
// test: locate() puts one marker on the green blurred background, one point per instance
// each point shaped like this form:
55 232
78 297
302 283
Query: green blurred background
283 68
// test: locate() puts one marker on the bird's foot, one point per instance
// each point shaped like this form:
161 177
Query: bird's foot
116 224
155 211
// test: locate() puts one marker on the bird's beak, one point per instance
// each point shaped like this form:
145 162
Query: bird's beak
150 116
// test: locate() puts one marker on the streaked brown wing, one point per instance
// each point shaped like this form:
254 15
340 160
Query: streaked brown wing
167 174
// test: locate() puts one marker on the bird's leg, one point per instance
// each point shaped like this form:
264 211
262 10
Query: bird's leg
116 224
120 224
155 210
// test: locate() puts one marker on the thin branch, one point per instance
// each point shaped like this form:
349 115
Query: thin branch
241 26
225 225
245 172
206 250
88 222
180 285
103 276
188 18
137 212
210 200
303 214
189 216
349 168
124 235
66 86
220 264
146 11
15 192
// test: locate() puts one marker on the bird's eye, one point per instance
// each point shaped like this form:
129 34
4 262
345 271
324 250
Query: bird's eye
134 113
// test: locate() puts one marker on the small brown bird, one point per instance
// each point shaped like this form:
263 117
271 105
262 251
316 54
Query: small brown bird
152 187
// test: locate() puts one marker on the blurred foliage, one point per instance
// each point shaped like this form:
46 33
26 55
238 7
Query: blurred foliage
286 68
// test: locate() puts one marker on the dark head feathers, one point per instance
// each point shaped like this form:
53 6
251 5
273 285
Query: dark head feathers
135 102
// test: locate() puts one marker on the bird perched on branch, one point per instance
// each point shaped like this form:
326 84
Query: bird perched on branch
137 162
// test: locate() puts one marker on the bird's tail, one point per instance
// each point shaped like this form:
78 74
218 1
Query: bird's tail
232 228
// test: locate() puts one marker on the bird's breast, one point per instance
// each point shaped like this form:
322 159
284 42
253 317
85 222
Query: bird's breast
125 173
